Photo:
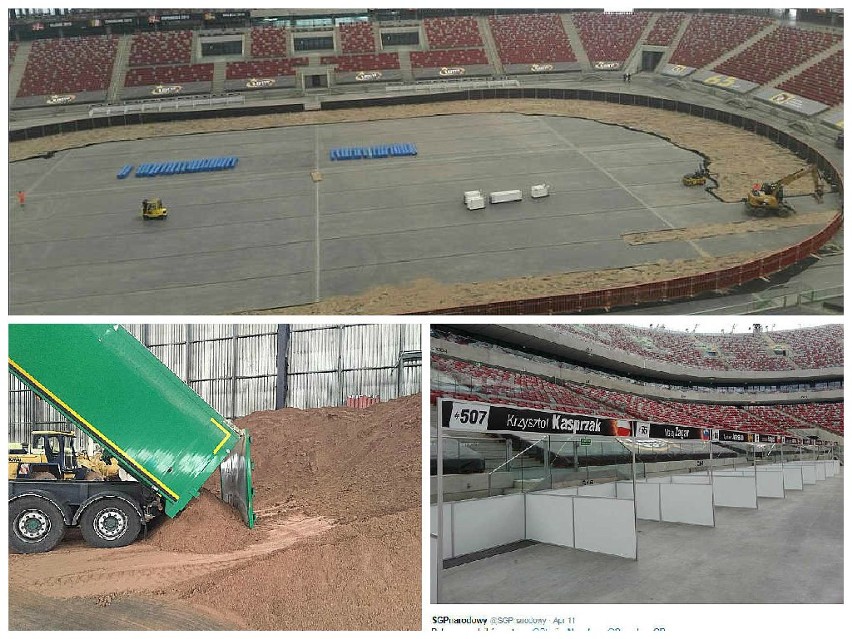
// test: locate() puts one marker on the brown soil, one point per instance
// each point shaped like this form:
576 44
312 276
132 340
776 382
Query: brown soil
336 545
731 228
735 170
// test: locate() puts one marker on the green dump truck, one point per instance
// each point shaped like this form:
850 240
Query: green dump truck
166 437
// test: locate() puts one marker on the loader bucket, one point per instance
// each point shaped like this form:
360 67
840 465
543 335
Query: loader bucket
235 479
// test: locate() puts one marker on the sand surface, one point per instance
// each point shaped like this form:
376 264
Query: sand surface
336 545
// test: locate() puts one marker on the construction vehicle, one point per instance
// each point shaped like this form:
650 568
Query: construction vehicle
53 455
165 437
769 196
698 178
154 210
539 190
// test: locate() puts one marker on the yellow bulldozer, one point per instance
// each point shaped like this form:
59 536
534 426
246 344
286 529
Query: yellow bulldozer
52 454
153 209
769 196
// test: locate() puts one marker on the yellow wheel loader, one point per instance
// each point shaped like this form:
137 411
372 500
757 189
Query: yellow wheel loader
53 455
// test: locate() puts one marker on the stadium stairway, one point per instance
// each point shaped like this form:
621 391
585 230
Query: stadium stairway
119 68
16 73
219 68
631 62
405 65
684 25
490 45
815 59
745 45
576 42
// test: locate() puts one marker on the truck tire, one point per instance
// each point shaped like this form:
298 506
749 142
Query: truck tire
35 525
110 523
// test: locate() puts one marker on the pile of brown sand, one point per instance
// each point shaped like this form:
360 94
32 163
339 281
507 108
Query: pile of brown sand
206 525
342 463
363 575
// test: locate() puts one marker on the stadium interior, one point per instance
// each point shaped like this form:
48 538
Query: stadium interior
774 73
781 389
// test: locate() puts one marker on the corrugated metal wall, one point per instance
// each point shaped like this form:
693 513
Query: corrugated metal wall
234 367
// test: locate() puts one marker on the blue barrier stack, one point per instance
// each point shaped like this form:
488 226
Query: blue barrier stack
153 169
124 171
372 152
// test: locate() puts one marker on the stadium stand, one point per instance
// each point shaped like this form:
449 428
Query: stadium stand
531 38
161 47
828 415
808 348
610 36
69 65
145 76
709 36
357 37
269 42
263 68
479 382
452 33
13 50
447 57
814 348
777 53
822 82
663 32
363 62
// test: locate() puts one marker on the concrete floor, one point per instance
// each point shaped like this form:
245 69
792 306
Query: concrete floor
787 551
265 235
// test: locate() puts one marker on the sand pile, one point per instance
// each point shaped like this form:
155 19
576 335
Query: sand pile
344 463
207 525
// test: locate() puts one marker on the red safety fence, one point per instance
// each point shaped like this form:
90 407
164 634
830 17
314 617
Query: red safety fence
669 290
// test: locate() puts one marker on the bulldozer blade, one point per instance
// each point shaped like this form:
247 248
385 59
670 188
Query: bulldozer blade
235 479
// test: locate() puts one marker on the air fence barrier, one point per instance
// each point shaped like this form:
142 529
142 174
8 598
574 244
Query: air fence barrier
203 165
632 295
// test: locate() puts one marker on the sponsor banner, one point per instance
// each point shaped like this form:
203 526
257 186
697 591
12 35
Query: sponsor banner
449 72
211 16
721 81
179 17
833 118
368 76
790 101
720 435
54 100
480 417
430 73
166 89
256 84
606 66
669 431
260 83
766 439
38 26
541 67
118 20
59 25
677 70
351 77
792 440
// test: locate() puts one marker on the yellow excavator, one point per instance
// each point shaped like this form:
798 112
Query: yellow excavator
153 209
53 455
769 196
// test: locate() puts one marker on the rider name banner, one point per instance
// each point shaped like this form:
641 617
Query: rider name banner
481 417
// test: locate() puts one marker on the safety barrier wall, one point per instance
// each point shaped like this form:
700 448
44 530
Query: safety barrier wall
678 499
606 299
